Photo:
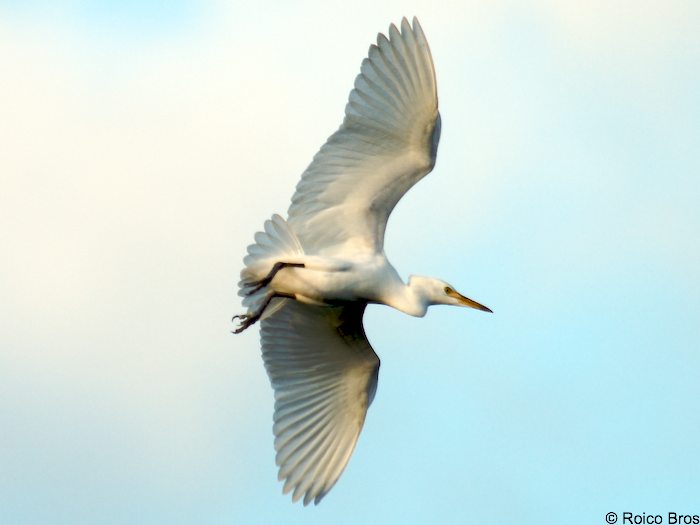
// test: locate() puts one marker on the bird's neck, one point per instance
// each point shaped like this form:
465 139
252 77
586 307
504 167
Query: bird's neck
410 298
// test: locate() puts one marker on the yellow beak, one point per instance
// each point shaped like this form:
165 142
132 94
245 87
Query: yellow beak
469 302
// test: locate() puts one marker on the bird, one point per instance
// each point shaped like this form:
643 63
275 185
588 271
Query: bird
308 279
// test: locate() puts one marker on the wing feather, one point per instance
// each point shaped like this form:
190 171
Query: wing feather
324 373
386 143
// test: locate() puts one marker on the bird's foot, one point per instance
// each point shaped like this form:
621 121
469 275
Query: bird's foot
245 321
249 319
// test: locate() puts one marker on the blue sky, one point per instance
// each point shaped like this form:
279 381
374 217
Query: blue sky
145 143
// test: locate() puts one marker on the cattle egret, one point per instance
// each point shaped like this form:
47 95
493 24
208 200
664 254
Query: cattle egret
309 278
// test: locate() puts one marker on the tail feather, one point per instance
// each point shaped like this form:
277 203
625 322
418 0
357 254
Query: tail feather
277 243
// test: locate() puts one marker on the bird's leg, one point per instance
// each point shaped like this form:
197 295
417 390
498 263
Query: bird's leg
248 320
257 285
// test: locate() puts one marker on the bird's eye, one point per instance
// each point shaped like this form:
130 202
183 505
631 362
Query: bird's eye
448 290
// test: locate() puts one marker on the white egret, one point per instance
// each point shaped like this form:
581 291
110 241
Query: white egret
309 278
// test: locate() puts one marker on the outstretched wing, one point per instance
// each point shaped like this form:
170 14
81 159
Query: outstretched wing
387 142
324 373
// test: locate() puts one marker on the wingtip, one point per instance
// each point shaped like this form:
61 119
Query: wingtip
416 25
394 32
418 29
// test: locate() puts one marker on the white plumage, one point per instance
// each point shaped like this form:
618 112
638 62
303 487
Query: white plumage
324 373
387 142
309 278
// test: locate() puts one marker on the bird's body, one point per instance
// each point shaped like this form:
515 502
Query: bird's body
310 277
329 281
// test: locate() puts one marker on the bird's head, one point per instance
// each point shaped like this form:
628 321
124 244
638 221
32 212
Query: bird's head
436 291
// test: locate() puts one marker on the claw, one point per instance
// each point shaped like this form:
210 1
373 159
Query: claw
246 321
251 318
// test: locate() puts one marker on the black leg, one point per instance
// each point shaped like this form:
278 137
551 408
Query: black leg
268 278
249 320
